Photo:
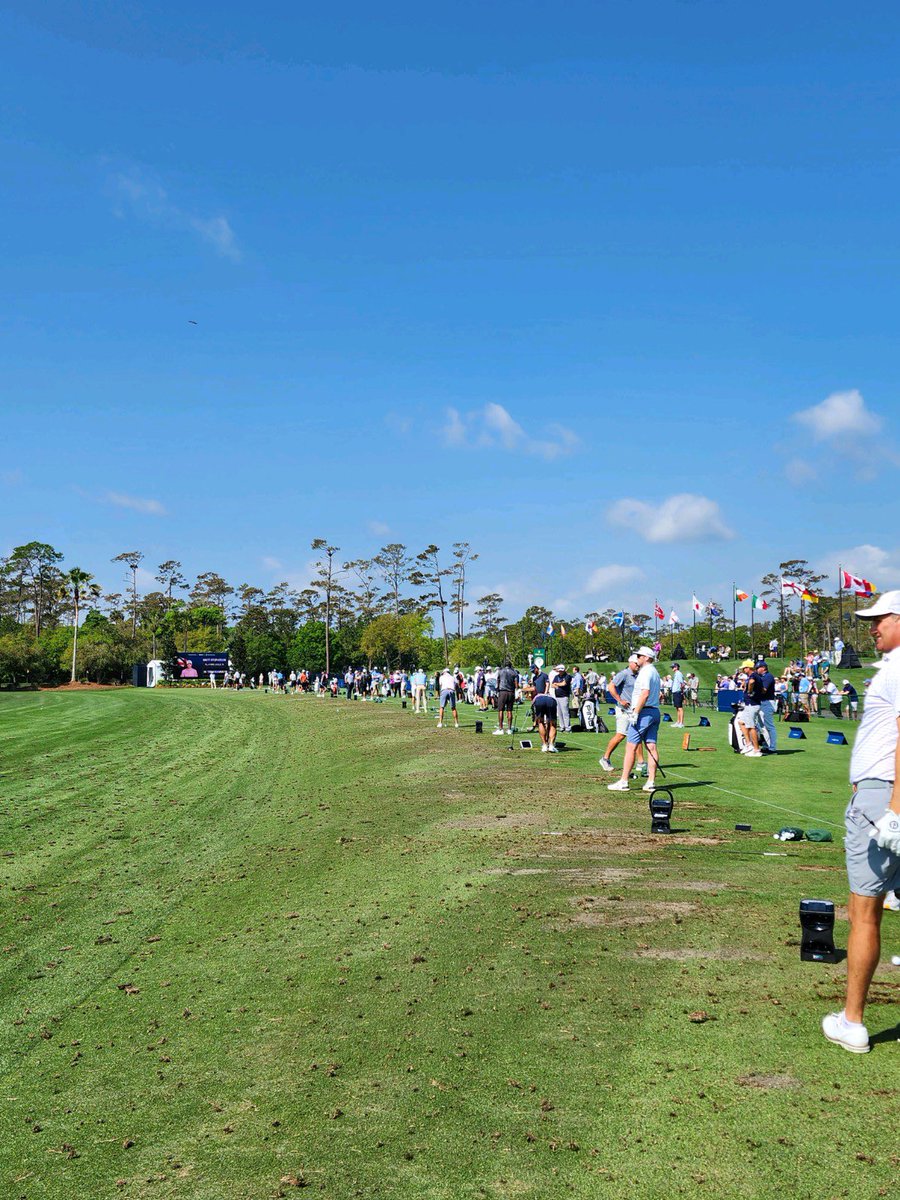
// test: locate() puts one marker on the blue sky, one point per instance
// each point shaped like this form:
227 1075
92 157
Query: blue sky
608 290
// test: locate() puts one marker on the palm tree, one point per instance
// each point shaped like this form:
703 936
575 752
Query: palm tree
78 586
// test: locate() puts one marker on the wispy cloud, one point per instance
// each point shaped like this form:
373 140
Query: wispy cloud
844 423
140 504
881 566
378 528
494 427
612 575
272 564
681 518
145 197
840 415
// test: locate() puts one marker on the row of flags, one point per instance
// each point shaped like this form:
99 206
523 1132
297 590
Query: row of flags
789 587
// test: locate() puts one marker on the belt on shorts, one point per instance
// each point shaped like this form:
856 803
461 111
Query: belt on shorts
872 783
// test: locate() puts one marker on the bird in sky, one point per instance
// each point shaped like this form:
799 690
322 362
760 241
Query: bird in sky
192 322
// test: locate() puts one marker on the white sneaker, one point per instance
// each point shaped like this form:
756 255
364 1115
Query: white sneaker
892 902
440 724
849 1034
621 785
649 786
552 750
543 749
754 753
606 765
498 732
678 725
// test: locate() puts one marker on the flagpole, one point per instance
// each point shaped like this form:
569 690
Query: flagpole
752 639
781 605
840 602
694 630
624 651
655 622
733 616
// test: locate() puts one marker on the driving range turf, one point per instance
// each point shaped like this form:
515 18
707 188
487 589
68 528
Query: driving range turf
255 943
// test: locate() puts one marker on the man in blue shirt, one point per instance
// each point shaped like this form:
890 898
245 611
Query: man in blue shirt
767 705
678 695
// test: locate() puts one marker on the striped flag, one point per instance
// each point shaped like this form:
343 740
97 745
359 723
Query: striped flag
562 629
739 595
853 583
806 594
549 629
758 602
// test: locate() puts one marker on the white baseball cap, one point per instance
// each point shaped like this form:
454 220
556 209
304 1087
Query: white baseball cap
632 658
888 602
646 652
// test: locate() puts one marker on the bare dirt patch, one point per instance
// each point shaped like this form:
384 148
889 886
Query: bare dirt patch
498 820
752 1079
686 954
594 913
689 885
590 841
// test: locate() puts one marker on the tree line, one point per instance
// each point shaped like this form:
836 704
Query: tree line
396 608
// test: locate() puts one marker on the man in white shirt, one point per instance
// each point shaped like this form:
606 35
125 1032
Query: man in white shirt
678 695
872 844
447 690
644 721
420 691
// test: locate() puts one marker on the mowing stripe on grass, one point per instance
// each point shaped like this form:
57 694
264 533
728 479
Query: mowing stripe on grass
753 800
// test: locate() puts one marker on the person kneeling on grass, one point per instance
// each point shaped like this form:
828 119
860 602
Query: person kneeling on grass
545 711
643 721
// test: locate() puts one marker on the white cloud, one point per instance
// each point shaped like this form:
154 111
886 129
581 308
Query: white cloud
272 564
800 470
138 503
681 518
494 427
378 528
148 199
611 576
840 415
880 566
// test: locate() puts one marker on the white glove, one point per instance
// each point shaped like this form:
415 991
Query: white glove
887 832
632 717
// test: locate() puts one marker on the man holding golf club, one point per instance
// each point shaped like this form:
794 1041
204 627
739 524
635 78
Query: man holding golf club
643 721
872 844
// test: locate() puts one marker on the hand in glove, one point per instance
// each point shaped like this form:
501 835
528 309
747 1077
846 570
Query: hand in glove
887 832
632 717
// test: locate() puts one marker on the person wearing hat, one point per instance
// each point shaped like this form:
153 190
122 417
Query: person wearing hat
767 705
561 688
621 688
678 695
749 714
643 721
848 690
872 844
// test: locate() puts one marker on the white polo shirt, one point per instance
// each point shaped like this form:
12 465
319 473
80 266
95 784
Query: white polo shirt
876 742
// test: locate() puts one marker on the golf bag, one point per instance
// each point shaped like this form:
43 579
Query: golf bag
737 739
591 721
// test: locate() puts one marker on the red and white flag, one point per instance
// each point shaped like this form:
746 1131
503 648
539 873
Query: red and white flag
853 583
790 587
659 612
673 617
696 605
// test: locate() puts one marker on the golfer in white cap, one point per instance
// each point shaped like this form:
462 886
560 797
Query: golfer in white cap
872 844
621 688
643 721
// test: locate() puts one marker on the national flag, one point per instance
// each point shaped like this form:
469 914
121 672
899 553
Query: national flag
739 595
659 612
714 611
673 618
806 594
505 638
696 605
853 583
758 602
549 630
790 587
635 628
619 619
590 627
562 629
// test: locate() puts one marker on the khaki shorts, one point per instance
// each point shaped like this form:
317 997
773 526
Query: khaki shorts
622 720
871 871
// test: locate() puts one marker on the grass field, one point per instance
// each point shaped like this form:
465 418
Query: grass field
253 944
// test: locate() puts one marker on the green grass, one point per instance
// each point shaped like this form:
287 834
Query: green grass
251 941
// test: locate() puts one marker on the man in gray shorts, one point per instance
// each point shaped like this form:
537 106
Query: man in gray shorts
872 844
621 688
